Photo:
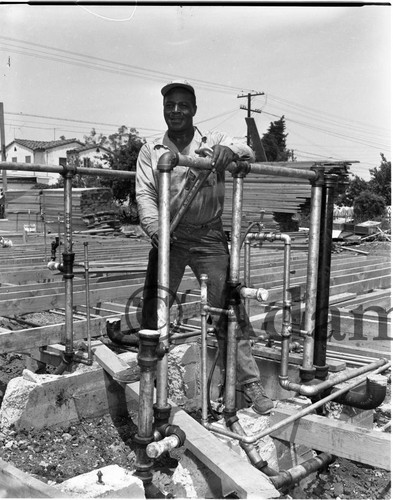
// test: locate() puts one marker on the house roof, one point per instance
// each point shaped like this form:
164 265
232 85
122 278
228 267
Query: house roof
86 147
43 145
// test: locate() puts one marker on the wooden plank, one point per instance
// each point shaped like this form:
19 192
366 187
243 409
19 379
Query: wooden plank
113 364
23 340
335 436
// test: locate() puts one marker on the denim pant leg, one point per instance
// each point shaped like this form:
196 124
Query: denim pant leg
149 306
213 259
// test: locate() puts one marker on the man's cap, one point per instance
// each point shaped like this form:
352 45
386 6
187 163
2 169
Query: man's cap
177 84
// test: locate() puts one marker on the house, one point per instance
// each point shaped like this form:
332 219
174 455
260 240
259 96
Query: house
90 155
50 153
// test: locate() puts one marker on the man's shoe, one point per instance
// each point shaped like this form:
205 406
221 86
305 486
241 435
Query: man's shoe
255 396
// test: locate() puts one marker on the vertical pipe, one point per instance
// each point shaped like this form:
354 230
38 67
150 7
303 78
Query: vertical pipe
236 228
163 310
68 259
87 285
324 266
287 303
307 371
247 270
230 385
147 361
230 379
204 394
3 155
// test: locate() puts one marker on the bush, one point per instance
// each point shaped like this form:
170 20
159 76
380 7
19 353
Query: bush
368 206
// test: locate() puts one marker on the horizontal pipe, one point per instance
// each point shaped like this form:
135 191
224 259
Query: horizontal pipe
59 169
292 418
260 294
283 169
313 390
295 474
155 449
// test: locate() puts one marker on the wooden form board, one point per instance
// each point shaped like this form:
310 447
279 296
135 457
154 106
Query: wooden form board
334 436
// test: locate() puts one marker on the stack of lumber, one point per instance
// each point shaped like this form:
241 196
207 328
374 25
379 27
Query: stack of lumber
93 209
268 194
23 208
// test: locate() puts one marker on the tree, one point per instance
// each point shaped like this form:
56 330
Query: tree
125 146
355 187
368 206
274 141
381 180
95 138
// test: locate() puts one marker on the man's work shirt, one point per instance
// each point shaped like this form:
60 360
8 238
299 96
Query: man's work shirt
208 202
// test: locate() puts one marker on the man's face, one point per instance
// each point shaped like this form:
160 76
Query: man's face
179 110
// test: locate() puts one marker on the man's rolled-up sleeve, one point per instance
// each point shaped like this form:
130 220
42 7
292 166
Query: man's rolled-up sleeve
146 192
239 148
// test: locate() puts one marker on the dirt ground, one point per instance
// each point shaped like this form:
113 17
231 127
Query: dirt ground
54 455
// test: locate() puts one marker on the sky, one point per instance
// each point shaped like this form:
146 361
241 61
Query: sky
67 69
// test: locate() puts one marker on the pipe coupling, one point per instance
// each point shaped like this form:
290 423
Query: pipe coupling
147 354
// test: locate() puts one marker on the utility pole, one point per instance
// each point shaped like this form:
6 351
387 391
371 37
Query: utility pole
248 108
2 142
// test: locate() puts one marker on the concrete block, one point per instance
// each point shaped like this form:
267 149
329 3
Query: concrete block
57 400
116 482
184 372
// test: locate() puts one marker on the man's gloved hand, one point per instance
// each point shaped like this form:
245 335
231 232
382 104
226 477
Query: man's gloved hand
155 240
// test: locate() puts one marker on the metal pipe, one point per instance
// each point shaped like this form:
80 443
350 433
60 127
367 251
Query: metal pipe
247 270
231 363
313 390
60 169
154 450
237 204
370 398
323 286
87 284
147 361
295 474
113 330
307 370
167 437
283 169
287 302
204 395
165 166
259 294
68 260
302 413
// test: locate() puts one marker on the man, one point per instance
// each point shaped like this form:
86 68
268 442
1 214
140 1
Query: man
199 240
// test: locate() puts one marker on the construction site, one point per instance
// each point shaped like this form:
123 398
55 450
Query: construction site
93 406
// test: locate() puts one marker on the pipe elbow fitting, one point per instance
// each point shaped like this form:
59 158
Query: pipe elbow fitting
285 238
113 330
168 161
370 398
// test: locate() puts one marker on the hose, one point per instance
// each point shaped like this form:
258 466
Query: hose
213 413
